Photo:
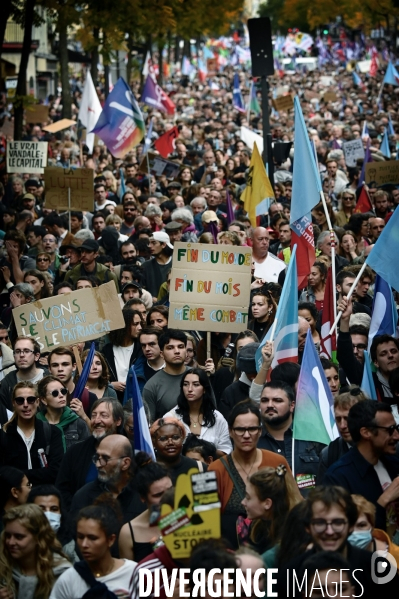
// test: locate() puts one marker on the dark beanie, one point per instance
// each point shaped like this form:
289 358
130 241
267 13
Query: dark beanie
246 358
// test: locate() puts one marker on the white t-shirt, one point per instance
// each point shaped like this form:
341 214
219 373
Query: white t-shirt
122 359
98 207
35 379
28 442
383 476
217 434
71 585
270 268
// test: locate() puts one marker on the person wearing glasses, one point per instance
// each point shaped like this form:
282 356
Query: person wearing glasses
54 410
232 471
26 355
371 468
43 261
115 465
330 515
27 443
348 203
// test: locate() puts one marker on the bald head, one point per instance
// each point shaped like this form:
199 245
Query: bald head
116 446
303 327
260 239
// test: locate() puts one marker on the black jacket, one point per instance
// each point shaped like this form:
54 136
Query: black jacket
74 468
7 386
13 452
329 455
108 354
352 367
306 455
236 392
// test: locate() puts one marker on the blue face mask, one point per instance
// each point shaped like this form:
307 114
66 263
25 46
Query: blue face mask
360 538
54 520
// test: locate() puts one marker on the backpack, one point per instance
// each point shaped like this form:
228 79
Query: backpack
97 590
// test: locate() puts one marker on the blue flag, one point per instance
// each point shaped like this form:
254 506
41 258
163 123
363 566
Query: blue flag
391 76
384 147
122 179
367 384
306 184
314 406
367 158
142 437
391 130
384 316
148 138
286 333
383 256
356 80
81 384
238 102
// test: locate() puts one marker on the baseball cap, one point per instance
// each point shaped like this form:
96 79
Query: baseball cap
91 245
162 238
209 216
131 284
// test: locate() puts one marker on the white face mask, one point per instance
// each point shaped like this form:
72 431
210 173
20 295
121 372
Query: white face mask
54 519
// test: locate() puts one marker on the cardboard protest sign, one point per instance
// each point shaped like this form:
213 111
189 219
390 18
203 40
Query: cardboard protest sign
71 318
196 514
353 150
11 87
59 125
159 166
283 103
7 128
330 97
381 173
26 156
79 180
36 113
364 66
212 65
210 287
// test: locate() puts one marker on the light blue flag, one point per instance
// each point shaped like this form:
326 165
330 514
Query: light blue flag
142 437
391 130
148 138
367 384
383 256
207 53
238 101
122 179
306 184
356 80
314 406
384 315
286 333
384 147
391 76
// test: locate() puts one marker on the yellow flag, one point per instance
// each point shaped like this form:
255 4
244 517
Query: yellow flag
258 194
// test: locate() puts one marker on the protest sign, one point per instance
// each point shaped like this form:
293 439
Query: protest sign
210 287
11 87
7 128
36 113
71 318
283 103
382 173
212 65
353 150
330 97
26 156
59 125
79 180
364 66
159 166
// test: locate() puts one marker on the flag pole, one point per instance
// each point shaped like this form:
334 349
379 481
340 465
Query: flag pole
249 101
380 93
351 290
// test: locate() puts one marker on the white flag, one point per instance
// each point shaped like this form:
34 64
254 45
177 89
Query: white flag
146 68
90 110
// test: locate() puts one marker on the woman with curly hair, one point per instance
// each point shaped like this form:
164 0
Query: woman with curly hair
98 381
196 409
31 558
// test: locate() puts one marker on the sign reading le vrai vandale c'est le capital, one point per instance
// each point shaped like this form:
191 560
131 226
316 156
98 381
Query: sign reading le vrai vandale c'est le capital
210 287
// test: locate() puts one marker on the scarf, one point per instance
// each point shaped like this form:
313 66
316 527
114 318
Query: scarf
67 417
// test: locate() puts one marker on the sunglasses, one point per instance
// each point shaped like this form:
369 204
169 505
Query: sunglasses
42 260
21 400
58 392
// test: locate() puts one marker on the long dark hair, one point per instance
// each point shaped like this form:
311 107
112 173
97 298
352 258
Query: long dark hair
119 336
207 406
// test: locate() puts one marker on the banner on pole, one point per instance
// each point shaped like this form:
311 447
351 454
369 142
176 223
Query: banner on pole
26 157
210 287
79 180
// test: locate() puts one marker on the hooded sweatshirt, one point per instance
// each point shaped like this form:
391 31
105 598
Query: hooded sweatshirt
26 585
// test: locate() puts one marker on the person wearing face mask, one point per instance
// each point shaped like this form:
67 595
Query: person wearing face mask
49 499
365 536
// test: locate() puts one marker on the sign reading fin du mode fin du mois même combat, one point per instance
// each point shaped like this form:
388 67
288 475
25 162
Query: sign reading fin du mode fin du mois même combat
210 287
71 318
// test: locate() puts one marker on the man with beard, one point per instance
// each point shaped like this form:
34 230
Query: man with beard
77 467
114 463
277 403
129 214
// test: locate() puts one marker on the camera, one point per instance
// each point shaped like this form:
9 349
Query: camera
64 259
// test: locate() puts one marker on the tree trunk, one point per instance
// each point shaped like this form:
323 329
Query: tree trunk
63 47
129 59
177 49
169 46
106 80
187 49
160 60
23 66
4 14
95 56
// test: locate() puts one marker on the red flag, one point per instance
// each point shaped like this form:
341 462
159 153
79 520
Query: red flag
363 204
302 236
166 143
328 343
373 66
